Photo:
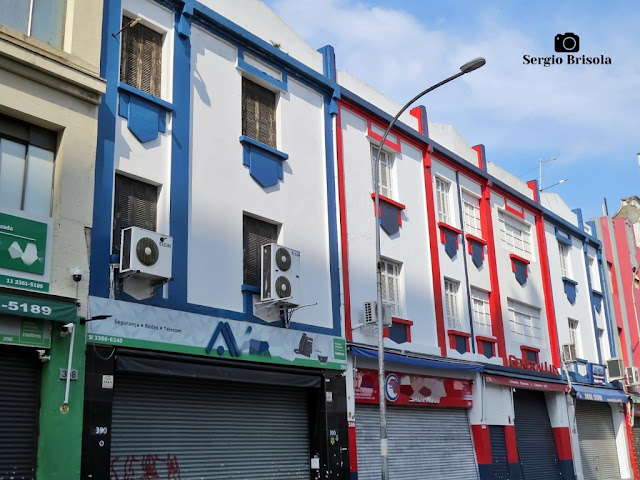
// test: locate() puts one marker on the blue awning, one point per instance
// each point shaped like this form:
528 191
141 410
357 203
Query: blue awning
417 361
595 394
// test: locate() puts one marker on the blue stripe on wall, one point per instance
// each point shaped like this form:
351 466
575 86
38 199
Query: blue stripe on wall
103 190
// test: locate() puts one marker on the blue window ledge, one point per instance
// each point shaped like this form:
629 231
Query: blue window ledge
146 115
264 162
449 237
570 289
596 298
476 249
390 214
565 240
519 266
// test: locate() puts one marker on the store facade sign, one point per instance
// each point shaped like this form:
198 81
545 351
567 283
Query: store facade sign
596 374
410 389
25 251
526 384
36 307
525 364
145 326
27 332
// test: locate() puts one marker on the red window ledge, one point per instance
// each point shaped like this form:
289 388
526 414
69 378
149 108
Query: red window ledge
524 349
492 340
401 321
472 238
456 333
393 203
445 226
517 258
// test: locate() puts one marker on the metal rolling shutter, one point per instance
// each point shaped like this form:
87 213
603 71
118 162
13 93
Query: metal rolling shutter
499 458
424 443
636 438
208 429
534 437
597 440
19 404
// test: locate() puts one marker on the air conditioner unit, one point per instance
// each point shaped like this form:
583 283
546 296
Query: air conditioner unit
569 353
615 369
632 375
371 315
145 253
280 275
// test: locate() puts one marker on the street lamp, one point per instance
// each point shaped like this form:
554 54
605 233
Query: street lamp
557 183
470 66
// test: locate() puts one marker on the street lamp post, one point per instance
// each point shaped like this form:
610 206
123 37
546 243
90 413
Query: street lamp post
384 451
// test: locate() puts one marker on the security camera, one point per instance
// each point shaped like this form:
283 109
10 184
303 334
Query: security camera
76 274
42 356
66 329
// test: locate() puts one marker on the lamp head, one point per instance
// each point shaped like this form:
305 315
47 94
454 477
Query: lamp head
472 65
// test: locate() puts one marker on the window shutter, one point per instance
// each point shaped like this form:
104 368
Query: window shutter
135 205
255 233
141 58
258 113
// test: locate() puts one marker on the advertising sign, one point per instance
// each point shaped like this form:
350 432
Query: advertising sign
411 389
24 248
596 373
145 326
29 332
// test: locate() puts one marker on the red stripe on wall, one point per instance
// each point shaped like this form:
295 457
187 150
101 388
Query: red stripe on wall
632 447
510 441
353 452
343 228
562 437
482 443
497 326
435 259
546 284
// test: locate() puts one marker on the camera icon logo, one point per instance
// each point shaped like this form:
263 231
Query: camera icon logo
569 42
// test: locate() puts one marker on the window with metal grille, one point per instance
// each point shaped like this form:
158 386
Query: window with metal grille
481 312
141 57
258 113
574 336
515 236
27 156
385 174
524 322
565 263
135 205
471 213
451 288
37 19
391 287
442 200
255 233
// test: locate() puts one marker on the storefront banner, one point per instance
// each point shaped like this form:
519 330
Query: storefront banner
411 389
28 332
144 326
528 384
24 251
12 303
596 394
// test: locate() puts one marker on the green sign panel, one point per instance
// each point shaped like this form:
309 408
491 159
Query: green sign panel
339 349
43 308
29 332
23 244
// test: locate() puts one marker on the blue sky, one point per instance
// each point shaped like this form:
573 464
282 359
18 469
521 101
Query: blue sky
586 116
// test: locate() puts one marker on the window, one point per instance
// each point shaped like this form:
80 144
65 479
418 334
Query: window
574 335
524 321
593 271
141 57
481 312
515 235
451 288
26 166
135 205
601 342
565 263
385 177
442 200
43 20
391 287
471 213
255 233
258 113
